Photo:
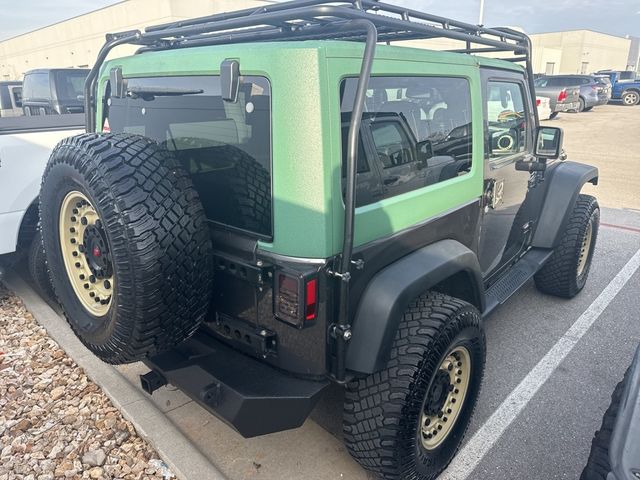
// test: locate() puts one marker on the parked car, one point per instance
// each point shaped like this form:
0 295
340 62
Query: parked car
625 88
615 449
10 99
25 146
51 91
562 99
593 92
544 108
256 225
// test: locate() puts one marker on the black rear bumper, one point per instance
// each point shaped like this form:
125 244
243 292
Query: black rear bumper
249 395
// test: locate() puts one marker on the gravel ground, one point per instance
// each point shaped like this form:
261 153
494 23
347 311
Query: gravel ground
54 422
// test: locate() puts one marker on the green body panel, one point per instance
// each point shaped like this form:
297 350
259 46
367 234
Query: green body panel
305 78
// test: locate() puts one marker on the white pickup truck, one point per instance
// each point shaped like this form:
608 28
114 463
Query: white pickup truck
25 146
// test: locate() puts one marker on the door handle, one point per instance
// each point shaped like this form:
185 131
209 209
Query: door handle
391 180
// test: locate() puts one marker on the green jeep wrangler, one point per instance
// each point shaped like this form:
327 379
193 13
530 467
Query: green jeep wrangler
272 200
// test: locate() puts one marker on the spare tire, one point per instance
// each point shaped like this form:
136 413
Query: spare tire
127 244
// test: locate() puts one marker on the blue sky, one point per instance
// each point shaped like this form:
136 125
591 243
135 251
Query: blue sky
619 17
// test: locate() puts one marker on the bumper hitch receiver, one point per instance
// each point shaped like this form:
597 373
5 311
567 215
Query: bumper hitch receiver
151 381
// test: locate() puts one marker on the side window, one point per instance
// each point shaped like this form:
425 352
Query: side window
36 87
419 129
507 119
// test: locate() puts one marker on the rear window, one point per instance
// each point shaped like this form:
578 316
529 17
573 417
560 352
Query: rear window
36 87
225 146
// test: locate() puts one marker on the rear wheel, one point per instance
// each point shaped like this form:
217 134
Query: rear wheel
630 98
581 105
407 421
566 272
127 245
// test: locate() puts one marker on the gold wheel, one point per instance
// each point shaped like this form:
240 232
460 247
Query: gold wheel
445 398
85 253
585 248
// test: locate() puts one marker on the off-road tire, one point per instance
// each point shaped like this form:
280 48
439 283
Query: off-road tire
630 98
38 268
157 237
560 275
382 411
598 465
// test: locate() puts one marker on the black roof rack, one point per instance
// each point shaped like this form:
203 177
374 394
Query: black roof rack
366 21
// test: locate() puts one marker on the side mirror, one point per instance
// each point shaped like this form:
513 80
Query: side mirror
424 150
548 143
230 80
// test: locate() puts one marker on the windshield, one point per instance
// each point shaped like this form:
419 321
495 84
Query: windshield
70 85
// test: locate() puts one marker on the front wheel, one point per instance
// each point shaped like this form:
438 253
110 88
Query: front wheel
630 98
566 272
553 115
407 421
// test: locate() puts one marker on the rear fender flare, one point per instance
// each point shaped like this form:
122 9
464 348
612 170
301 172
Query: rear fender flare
390 291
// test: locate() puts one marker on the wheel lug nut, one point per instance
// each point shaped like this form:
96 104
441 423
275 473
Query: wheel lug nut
453 400
435 432
73 240
458 380
74 253
107 284
456 391
104 302
444 419
75 211
72 230
449 410
77 264
459 372
459 364
74 219
429 436
439 427
86 286
97 299
92 294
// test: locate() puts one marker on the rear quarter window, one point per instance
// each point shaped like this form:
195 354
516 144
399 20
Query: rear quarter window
226 147
36 86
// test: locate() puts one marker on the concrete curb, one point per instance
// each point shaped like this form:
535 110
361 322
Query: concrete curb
182 457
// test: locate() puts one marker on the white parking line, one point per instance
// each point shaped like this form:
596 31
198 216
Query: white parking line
490 432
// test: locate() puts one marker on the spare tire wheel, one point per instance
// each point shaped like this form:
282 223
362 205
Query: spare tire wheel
127 244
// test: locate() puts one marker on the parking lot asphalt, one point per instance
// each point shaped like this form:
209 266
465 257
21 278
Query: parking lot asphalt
608 138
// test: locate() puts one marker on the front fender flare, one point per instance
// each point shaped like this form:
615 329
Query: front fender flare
564 183
390 291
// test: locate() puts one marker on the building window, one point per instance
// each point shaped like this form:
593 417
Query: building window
584 68
549 68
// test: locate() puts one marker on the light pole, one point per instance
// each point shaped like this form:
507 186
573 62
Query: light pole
481 17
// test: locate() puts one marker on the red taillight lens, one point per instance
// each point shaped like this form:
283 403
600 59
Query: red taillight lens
538 102
311 299
562 96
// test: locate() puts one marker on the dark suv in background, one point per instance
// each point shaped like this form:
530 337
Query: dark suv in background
54 91
593 90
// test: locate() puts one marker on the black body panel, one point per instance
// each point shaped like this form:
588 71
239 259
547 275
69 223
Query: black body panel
563 180
388 294
251 396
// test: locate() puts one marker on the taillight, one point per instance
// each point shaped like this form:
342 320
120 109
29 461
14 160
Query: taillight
538 102
296 299
562 96
311 299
